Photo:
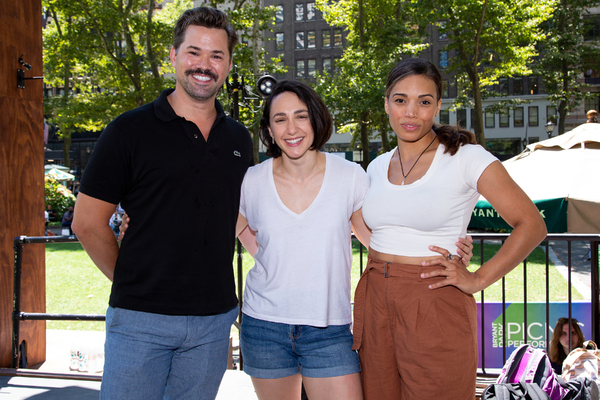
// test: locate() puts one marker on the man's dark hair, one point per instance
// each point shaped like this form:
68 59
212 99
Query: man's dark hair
209 18
320 117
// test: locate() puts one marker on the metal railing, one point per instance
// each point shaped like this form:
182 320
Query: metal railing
594 240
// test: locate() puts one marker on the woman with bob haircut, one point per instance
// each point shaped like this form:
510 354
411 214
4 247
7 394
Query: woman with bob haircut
302 206
559 343
415 321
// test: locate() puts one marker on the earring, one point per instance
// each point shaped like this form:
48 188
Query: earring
272 140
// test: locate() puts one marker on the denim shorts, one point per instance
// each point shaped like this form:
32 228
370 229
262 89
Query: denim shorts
273 350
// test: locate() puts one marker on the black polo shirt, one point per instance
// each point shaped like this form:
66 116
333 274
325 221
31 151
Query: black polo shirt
182 194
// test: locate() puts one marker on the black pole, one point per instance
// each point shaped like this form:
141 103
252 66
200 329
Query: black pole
18 246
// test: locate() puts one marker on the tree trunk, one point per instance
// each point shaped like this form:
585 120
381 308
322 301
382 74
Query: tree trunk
562 106
478 117
364 140
385 140
66 149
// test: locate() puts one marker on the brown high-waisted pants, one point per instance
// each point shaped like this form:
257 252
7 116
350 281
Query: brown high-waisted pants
414 343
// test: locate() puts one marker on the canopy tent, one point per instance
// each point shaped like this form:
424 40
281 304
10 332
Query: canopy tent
50 166
59 175
562 177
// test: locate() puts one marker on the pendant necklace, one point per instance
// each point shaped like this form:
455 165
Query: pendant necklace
411 168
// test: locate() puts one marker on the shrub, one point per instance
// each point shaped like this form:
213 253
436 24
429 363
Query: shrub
58 196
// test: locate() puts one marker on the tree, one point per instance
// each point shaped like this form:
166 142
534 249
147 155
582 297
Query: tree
378 37
566 55
109 56
490 38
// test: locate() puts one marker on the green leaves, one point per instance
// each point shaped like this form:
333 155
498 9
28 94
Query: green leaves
111 55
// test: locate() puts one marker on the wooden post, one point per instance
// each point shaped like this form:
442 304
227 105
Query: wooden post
21 173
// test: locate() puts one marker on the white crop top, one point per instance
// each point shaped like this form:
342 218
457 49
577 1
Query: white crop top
434 210
302 267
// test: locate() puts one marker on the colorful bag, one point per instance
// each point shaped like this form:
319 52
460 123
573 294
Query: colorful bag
529 365
514 391
582 362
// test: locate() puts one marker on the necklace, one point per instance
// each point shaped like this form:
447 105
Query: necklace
418 158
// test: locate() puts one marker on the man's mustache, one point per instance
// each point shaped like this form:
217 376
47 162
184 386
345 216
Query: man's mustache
200 71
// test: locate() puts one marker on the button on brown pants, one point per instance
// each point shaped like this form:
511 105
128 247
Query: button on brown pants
414 343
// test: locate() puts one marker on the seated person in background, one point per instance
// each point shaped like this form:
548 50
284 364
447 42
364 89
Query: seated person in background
559 344
67 219
52 215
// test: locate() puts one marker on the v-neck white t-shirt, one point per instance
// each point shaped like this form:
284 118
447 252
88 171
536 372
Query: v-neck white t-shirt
302 267
434 210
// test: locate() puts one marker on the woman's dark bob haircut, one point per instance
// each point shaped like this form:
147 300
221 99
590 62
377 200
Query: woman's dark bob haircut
320 117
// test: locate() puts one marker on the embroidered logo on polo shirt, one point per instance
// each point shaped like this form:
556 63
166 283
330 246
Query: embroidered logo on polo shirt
236 153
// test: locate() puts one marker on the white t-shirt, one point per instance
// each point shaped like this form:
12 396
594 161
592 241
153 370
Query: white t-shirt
302 267
434 210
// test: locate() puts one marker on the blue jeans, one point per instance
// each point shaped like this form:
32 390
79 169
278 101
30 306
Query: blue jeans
273 350
155 356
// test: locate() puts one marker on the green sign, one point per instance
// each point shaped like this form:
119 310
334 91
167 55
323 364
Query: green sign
553 211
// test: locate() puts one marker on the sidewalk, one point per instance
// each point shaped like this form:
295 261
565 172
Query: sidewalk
66 384
580 264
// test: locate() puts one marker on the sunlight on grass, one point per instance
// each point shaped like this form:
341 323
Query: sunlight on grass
75 286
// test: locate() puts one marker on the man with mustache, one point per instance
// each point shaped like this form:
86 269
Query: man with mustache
176 166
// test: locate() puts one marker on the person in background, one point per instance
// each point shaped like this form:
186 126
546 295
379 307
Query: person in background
415 322
52 215
592 117
67 219
173 300
46 221
559 343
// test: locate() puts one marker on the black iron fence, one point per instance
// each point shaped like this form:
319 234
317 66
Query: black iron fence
593 241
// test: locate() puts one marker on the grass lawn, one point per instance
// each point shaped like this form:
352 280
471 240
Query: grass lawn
75 286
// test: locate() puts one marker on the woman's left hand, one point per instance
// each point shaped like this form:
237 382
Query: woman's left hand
455 272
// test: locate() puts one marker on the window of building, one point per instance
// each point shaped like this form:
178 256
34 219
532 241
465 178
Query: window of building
461 117
279 42
589 104
299 40
443 59
300 72
518 86
551 113
503 86
472 118
278 13
337 37
327 65
336 62
490 119
311 12
593 24
504 148
532 112
444 117
312 67
504 119
445 92
299 12
326 35
311 40
442 36
519 119
533 84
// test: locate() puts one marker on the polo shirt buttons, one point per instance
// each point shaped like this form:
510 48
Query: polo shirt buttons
195 136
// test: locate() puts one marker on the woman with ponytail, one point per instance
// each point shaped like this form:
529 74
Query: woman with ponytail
415 321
